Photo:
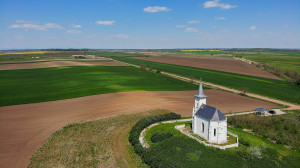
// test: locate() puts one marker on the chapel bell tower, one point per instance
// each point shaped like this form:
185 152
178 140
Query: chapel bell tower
200 99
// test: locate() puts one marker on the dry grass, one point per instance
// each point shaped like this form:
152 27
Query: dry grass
100 143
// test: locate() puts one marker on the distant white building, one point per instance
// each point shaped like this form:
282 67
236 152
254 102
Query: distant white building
208 122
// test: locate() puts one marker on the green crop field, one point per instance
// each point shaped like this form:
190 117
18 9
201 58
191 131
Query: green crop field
278 89
112 53
47 84
178 150
283 60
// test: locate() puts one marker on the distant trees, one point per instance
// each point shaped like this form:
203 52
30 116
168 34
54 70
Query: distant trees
293 75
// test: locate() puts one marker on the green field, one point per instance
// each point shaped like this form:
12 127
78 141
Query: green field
112 53
47 84
278 89
283 60
182 151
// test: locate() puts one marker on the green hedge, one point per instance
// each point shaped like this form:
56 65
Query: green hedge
136 131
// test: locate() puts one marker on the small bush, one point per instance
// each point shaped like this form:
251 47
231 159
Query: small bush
255 151
244 142
143 67
178 149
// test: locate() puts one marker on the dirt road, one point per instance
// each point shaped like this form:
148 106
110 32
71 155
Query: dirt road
23 128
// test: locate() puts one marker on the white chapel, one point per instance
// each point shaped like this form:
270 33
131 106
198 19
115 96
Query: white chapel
208 122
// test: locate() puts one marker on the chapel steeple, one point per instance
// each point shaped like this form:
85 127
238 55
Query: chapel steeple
200 91
200 98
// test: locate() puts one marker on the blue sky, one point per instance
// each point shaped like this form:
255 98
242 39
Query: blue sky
149 24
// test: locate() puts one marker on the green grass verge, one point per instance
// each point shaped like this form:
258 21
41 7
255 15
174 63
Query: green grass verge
47 84
277 89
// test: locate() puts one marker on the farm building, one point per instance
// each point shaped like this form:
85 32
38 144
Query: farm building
208 122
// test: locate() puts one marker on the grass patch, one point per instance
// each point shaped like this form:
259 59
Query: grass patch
47 84
162 129
277 89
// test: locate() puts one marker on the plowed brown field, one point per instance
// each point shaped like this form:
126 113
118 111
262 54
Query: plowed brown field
57 64
219 64
23 128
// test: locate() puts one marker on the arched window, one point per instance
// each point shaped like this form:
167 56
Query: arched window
215 131
202 127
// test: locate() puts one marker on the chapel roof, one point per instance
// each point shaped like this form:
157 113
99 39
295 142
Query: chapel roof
210 113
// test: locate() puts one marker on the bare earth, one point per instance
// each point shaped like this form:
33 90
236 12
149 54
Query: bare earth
57 64
23 128
219 64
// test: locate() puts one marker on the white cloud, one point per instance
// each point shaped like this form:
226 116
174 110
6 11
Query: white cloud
252 28
153 9
215 3
119 36
73 31
77 26
193 21
180 26
191 30
39 27
220 18
107 22
224 31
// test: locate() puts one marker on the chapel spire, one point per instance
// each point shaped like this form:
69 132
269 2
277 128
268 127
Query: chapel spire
200 91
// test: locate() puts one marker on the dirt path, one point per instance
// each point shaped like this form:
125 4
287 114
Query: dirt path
23 128
220 64
57 64
291 106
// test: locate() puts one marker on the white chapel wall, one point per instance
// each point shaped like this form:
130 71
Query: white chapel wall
220 135
198 129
